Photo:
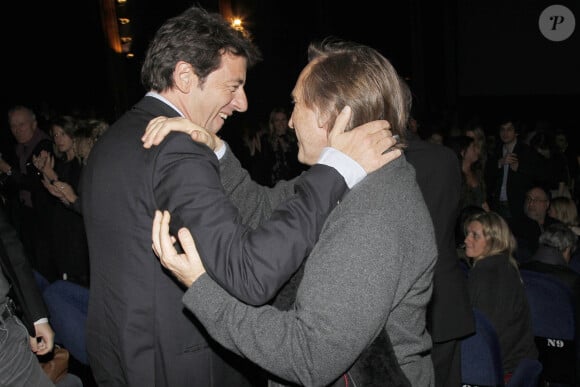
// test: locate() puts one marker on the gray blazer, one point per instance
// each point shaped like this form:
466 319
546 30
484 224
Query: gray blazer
138 332
371 269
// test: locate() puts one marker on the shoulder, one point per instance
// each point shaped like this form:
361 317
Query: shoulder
431 159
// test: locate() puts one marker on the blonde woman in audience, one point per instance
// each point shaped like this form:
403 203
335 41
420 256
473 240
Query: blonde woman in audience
496 289
564 209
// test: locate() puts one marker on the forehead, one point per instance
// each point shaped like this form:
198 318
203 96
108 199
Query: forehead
537 193
20 116
474 225
297 92
232 69
508 126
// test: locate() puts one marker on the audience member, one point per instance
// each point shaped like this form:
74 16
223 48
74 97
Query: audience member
528 227
557 244
464 214
371 268
88 132
281 148
474 129
570 154
565 210
30 206
84 139
67 231
449 313
25 337
473 192
510 171
496 289
137 330
554 174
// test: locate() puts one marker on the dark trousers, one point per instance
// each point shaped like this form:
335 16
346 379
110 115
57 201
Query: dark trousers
446 358
36 241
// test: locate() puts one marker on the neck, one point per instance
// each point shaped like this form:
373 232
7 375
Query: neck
510 145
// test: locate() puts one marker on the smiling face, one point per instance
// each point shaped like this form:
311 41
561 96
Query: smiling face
211 103
311 134
475 241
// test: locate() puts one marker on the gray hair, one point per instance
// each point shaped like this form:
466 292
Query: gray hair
559 236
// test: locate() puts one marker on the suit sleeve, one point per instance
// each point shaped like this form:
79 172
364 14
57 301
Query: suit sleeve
16 267
341 307
250 263
254 201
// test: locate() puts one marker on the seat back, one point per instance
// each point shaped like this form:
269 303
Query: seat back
526 374
574 263
481 362
553 324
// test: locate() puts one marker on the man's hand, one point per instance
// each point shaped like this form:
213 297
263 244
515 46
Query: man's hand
512 160
187 268
4 166
158 128
368 144
44 340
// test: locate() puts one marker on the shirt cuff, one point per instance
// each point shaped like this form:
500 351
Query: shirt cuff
350 170
221 152
43 320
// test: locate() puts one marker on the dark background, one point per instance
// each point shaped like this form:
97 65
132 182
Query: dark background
462 58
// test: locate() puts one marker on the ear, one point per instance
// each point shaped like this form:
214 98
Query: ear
184 77
322 120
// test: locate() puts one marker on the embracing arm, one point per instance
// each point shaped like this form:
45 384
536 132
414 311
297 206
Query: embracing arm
251 264
15 266
353 154
329 328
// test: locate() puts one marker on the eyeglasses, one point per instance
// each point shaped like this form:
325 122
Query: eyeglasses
530 199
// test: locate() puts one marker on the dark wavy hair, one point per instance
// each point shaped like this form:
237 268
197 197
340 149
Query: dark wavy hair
197 37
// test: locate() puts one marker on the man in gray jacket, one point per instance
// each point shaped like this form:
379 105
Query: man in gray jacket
371 270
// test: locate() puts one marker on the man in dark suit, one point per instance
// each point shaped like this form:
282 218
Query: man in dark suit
19 366
138 332
510 171
450 316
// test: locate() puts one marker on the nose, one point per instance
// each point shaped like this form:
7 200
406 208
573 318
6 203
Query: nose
240 100
291 120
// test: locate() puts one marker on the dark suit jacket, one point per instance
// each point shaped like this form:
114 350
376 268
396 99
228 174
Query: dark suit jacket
17 270
518 182
450 315
137 325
